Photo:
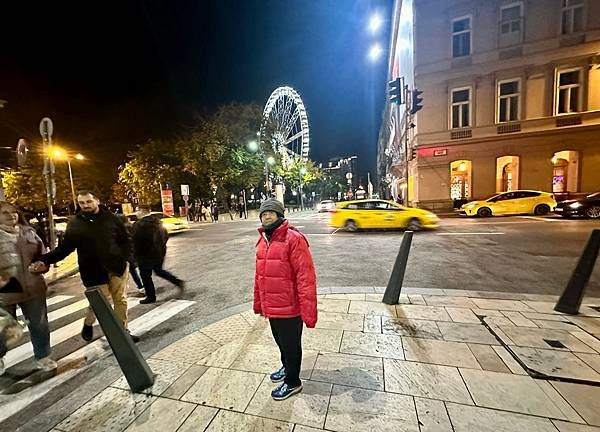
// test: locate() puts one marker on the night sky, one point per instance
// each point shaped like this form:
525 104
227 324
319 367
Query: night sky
115 74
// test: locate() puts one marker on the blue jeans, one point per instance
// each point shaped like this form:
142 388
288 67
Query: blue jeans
35 312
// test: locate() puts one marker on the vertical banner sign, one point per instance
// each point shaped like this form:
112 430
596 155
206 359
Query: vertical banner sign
166 196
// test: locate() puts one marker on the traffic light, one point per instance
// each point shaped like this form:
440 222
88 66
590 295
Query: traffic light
413 153
395 91
417 101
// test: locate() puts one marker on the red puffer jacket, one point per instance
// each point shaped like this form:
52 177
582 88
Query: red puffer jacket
285 284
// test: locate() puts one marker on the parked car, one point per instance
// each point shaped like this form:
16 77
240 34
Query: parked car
325 205
512 203
588 206
171 223
363 214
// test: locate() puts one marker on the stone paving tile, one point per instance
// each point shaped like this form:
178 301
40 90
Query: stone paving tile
224 388
498 321
423 291
325 340
228 421
432 415
425 380
166 373
164 415
557 325
184 382
503 305
545 317
300 428
536 338
487 312
583 398
432 313
225 355
199 419
439 352
588 339
416 299
353 290
590 325
458 293
333 305
251 318
372 344
112 410
410 327
573 427
568 411
542 297
371 308
308 408
190 349
509 361
509 393
462 315
519 319
560 364
267 359
475 419
361 410
548 308
592 360
345 296
488 359
472 333
403 299
497 295
372 324
339 321
460 302
227 330
351 370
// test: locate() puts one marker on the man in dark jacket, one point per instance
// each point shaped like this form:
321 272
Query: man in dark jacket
103 247
150 247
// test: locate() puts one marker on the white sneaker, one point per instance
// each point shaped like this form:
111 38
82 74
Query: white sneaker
46 364
2 368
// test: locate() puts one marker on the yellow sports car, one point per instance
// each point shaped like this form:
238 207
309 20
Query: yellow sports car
514 202
362 214
171 223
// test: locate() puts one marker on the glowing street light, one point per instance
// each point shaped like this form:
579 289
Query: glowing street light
60 154
270 160
375 52
79 156
375 23
252 146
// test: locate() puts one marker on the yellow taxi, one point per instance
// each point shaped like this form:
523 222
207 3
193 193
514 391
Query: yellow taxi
372 213
510 203
171 223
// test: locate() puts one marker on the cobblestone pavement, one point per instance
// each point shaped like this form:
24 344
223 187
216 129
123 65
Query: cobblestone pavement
441 360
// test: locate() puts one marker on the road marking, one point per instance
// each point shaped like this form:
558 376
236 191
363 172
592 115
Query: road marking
91 352
51 301
537 218
67 310
25 351
469 233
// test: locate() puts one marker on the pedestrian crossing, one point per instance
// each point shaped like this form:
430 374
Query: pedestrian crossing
68 310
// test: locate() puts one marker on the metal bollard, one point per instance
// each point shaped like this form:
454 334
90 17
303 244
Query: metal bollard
394 286
571 298
134 367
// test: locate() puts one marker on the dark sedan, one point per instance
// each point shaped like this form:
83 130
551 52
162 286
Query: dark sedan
588 206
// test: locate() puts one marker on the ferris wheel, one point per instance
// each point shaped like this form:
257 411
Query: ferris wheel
285 123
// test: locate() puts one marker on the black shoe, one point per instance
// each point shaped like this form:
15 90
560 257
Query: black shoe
148 300
134 338
87 333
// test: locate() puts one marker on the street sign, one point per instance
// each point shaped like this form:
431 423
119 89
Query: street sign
46 128
186 198
166 196
185 189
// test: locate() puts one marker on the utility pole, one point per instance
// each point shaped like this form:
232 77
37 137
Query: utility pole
46 129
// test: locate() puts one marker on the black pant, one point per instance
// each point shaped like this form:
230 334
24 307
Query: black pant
288 336
146 269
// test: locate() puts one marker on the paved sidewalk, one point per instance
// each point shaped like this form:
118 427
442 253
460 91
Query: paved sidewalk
442 360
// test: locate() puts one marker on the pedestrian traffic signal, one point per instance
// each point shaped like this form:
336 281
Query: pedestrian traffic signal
417 101
413 153
395 91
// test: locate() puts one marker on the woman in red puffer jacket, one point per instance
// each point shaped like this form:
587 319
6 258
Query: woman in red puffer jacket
285 291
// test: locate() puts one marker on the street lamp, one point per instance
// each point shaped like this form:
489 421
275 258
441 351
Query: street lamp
60 154
302 174
375 52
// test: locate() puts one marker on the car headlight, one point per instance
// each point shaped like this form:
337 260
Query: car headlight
469 206
575 205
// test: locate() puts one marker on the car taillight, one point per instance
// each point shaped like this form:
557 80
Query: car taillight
332 211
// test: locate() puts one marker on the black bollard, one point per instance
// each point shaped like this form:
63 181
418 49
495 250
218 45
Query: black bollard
134 367
570 300
394 286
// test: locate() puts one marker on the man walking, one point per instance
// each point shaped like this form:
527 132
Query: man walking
103 247
285 291
150 247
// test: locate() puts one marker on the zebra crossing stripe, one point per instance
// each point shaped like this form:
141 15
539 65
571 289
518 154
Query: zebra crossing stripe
51 301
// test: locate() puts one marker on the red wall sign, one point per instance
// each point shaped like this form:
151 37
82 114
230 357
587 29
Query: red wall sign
440 152
166 196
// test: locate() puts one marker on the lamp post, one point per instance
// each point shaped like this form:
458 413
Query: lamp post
302 174
60 154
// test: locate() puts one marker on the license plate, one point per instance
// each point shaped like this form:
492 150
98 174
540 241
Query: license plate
558 209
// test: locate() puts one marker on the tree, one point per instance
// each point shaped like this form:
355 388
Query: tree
299 171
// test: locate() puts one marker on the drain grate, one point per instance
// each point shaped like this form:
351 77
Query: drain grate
554 343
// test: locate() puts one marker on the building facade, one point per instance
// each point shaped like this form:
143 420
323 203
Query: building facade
511 93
